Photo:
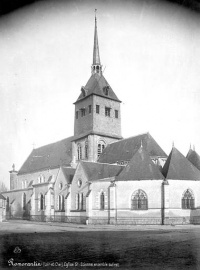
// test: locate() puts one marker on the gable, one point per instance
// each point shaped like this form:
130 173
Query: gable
140 167
97 171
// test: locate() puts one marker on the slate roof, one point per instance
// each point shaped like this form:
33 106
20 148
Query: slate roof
140 167
194 158
97 171
125 149
69 173
95 85
48 156
178 167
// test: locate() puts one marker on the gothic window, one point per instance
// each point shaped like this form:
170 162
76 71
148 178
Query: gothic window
7 204
41 202
90 108
102 201
61 203
101 146
116 114
79 152
22 184
97 109
77 201
188 200
76 114
86 149
23 201
107 111
139 200
81 201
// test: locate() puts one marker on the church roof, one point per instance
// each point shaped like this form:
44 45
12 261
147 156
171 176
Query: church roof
48 156
194 158
96 86
140 167
178 167
97 171
68 173
125 149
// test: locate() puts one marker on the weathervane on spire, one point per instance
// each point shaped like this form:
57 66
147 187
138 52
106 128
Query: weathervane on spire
96 65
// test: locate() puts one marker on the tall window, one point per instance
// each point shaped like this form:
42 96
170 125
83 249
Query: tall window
24 201
139 200
101 146
97 109
77 201
41 202
83 112
116 114
86 149
102 201
107 111
81 201
61 203
90 108
188 200
7 204
79 152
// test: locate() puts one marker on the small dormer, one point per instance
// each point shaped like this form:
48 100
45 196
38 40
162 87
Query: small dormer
106 90
84 91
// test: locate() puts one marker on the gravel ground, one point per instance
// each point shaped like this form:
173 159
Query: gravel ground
34 245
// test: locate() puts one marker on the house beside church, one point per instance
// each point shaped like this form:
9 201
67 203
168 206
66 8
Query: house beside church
98 177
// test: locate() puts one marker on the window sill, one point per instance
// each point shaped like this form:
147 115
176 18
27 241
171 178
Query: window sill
78 211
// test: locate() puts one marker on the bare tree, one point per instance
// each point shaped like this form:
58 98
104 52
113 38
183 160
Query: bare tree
3 187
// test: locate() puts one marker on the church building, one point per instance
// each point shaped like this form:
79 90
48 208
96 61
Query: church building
98 177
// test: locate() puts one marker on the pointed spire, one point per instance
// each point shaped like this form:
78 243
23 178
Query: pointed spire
96 65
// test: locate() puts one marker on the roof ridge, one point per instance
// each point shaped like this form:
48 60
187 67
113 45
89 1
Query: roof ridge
145 133
52 143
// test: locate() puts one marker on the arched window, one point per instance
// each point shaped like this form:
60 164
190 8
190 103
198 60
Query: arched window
7 204
23 201
101 146
79 152
81 201
77 201
41 202
86 149
61 203
102 201
139 200
188 200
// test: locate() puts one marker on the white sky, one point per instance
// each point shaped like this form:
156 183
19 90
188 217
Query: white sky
151 57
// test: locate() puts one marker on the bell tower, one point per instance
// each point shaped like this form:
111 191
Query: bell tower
97 120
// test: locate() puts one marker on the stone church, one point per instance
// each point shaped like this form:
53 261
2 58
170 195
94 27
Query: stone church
98 177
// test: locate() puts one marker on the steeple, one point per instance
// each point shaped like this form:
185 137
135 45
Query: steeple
96 65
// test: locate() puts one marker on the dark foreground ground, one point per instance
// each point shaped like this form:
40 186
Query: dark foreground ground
95 247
